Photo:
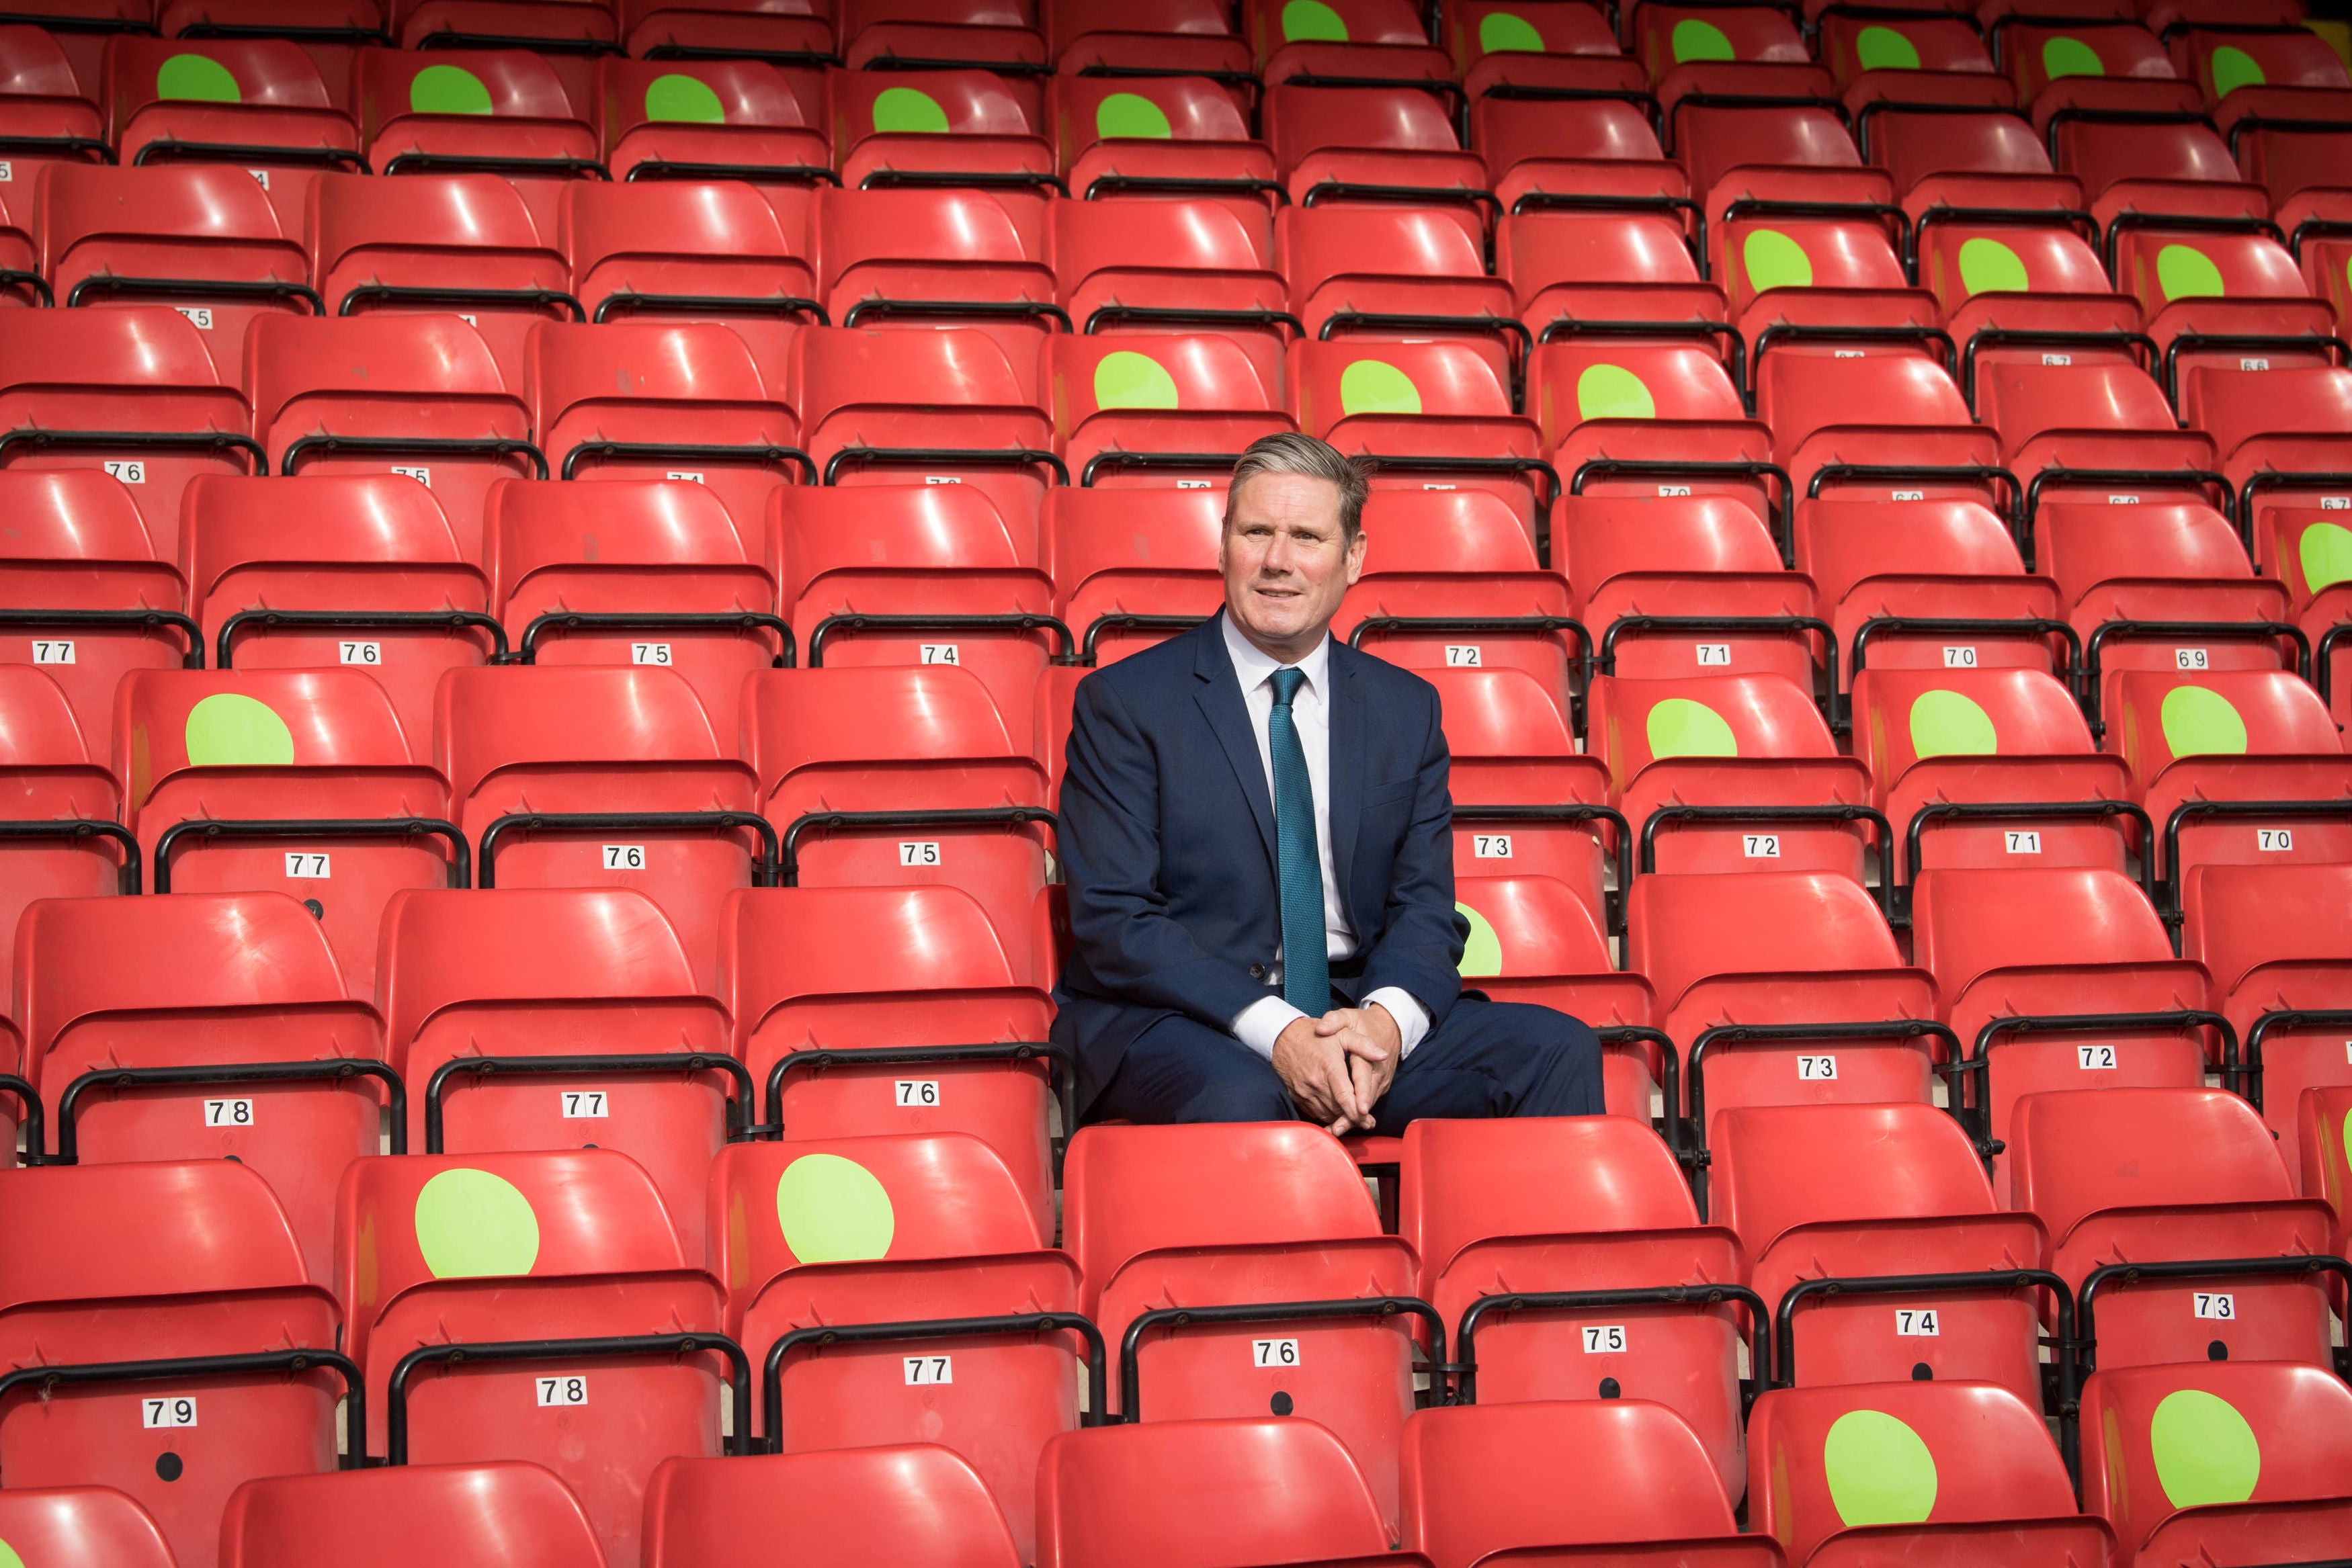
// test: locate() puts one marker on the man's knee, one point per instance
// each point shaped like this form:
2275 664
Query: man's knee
1563 1061
1240 1095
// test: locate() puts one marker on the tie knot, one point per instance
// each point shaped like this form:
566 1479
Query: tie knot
1286 682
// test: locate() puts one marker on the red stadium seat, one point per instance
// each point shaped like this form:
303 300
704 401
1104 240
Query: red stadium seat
1567 1256
1174 266
1187 35
261 104
2274 429
835 1508
1901 580
2326 1161
2296 544
237 1003
1370 141
1887 412
2096 412
1665 36
1532 939
553 26
416 395
204 240
974 258
82 1527
300 782
477 1286
1950 1471
503 111
1544 27
1388 273
671 34
670 250
1618 1477
851 759
373 1518
2213 297
1159 136
967 128
1120 554
815 976
1191 1276
1574 134
658 121
638 573
987 33
98 1341
1128 409
358 570
46 114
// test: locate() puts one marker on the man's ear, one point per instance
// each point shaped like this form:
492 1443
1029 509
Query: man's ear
1356 548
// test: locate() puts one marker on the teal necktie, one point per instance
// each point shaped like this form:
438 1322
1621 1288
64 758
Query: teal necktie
1306 962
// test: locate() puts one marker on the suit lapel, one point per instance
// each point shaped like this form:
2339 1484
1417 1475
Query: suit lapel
1347 769
1220 697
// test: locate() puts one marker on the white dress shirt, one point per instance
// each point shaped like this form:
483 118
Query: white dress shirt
1262 1022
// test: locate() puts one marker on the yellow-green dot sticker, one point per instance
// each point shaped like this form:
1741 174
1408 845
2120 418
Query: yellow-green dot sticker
2325 550
2070 57
229 729
470 1224
1947 724
2184 272
1312 22
1124 378
2199 722
196 76
2204 1451
2234 68
1989 267
1884 50
1697 40
1130 114
674 97
447 90
1879 1470
833 1210
1499 32
1482 953
1375 386
907 109
8 1558
1681 727
1775 261
1613 391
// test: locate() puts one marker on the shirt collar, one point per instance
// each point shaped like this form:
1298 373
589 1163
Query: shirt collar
1255 668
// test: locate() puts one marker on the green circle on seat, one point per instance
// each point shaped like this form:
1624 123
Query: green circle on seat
1130 114
229 729
675 96
833 1210
470 1224
1697 40
1989 267
1375 386
1775 261
1124 378
2326 550
8 1558
2204 1451
447 90
1312 22
1499 32
197 77
2234 68
2200 722
2064 57
2184 272
1681 727
1879 1470
1613 391
1947 724
1482 954
1884 50
909 109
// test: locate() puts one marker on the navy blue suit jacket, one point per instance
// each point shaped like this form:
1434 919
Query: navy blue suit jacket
1167 845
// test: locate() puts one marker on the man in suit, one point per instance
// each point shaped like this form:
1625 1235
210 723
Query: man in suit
1256 833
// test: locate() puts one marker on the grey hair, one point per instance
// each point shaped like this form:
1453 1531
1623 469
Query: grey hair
1287 452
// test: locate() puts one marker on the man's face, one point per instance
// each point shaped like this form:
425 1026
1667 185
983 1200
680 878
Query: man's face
1286 561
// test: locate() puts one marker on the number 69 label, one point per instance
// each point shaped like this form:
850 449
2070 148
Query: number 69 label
1603 1339
180 1412
1274 1353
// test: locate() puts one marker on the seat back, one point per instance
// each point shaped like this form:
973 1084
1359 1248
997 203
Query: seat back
105 231
81 1527
829 1509
357 1518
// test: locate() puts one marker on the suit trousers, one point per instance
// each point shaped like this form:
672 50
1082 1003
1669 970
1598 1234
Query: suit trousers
1486 1058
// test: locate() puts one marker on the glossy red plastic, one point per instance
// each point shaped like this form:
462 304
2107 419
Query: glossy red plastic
987 127
371 1518
1124 552
517 110
82 1527
852 1508
1548 948
769 126
284 97
1511 747
674 250
1378 260
1160 396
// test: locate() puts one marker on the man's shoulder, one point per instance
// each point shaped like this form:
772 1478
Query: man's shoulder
1157 669
1387 682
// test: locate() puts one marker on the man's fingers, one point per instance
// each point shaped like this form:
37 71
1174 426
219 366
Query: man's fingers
1363 1047
1332 1022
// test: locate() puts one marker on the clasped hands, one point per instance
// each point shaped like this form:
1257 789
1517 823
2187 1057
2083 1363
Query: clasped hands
1336 1067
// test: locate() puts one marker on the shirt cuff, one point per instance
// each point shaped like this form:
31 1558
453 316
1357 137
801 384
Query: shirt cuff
1262 1022
1411 1017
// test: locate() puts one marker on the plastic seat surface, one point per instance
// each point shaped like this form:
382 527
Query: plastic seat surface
516 1509
81 1527
846 1508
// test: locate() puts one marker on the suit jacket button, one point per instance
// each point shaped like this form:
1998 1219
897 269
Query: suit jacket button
1257 971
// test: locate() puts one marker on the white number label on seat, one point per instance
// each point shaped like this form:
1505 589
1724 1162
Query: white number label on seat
260 177
201 315
2249 364
1464 655
561 1391
2335 503
1274 1353
421 474
167 1412
2273 838
649 653
925 1371
586 1105
2095 1058
941 653
913 852
359 652
2122 500
1192 483
1820 1069
2192 658
308 864
228 1112
468 318
2057 359
1490 846
1714 653
2023 841
1603 1339
1918 1322
1673 489
2220 1305
1906 495
130 470
8 171
1959 657
1761 846
919 1092
1441 486
52 653
943 480
687 474
624 857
